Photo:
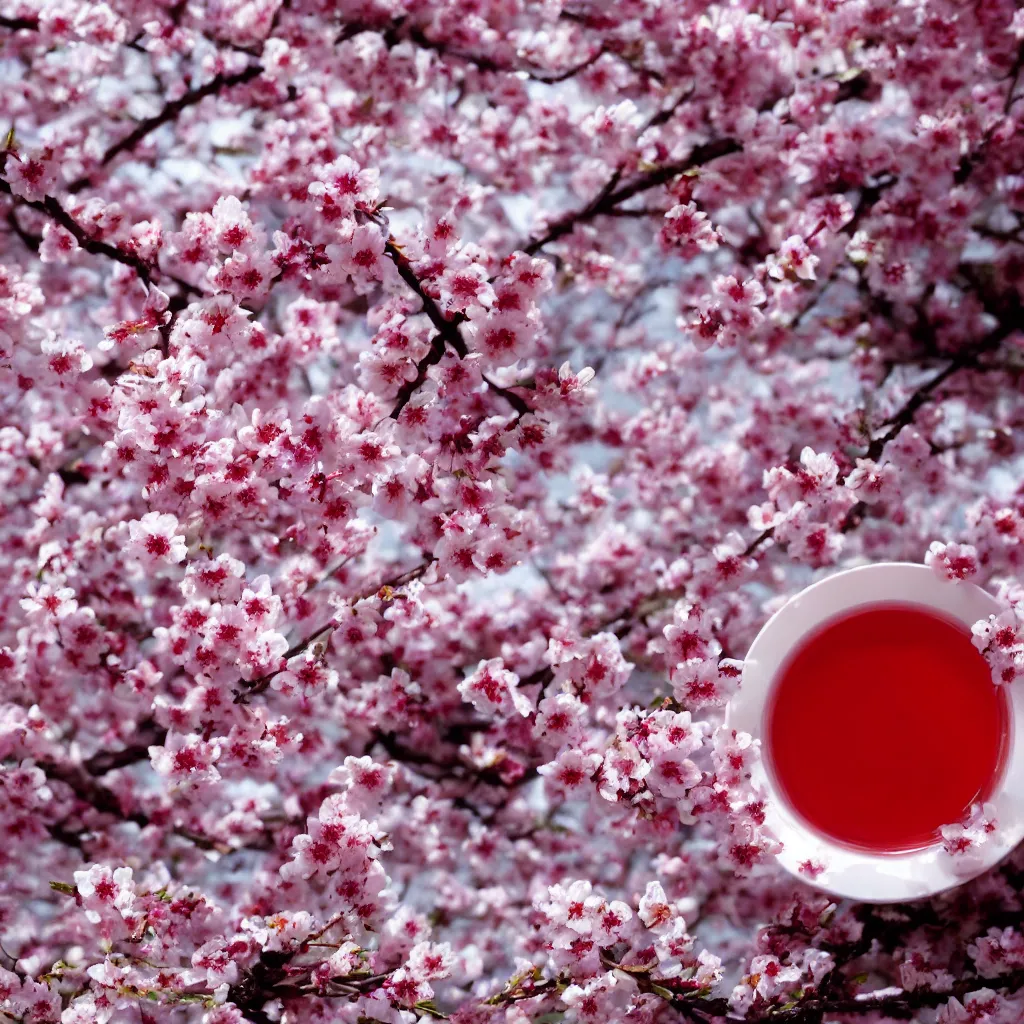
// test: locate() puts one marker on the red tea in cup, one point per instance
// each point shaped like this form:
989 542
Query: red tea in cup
883 725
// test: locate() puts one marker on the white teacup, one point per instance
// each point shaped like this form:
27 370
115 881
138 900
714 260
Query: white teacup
838 869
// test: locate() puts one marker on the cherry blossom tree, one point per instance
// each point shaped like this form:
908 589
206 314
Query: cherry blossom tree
410 410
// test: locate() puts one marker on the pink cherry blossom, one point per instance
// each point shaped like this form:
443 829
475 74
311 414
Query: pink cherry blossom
154 540
655 912
952 561
491 688
793 258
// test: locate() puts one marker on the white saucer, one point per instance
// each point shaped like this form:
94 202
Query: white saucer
843 871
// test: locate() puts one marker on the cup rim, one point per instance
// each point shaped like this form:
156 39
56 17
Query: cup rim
846 872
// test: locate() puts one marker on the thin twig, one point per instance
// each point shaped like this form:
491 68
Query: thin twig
168 113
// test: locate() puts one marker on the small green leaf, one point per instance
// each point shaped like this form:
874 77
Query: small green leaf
635 968
64 887
426 1006
660 990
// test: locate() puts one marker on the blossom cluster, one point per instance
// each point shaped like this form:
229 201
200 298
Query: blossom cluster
410 411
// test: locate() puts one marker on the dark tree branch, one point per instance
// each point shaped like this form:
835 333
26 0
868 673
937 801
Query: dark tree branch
90 791
518 403
810 1007
903 417
84 782
18 24
611 196
257 984
903 1005
966 360
866 201
484 63
399 30
30 241
448 329
53 209
169 113
259 685
410 387
148 734
1018 66
448 334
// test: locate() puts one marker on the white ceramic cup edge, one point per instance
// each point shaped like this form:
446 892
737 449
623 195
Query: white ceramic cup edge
851 873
